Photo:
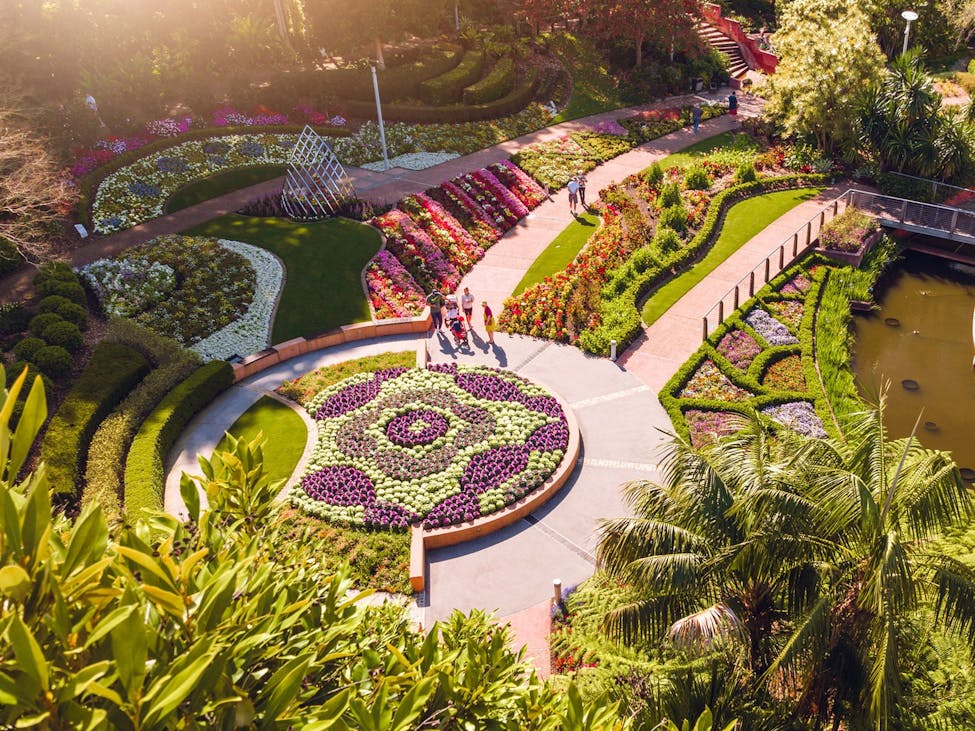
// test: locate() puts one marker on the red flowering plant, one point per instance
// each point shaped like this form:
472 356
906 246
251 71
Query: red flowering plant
415 251
392 291
474 187
467 211
518 182
450 237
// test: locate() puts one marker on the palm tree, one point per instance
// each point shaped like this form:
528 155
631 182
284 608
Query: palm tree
809 551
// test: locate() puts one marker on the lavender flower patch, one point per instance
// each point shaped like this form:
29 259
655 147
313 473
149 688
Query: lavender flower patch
740 348
435 446
800 416
707 427
708 382
773 331
799 284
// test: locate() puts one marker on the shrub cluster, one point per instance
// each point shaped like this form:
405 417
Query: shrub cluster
145 465
10 258
106 454
848 231
111 373
496 84
447 88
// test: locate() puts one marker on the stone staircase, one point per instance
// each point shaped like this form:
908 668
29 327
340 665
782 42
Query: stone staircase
737 66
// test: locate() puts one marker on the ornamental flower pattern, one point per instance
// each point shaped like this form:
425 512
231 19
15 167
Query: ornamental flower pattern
417 252
739 348
800 416
435 446
708 382
773 331
392 291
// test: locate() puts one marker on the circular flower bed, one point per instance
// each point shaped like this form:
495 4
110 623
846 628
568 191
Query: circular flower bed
435 446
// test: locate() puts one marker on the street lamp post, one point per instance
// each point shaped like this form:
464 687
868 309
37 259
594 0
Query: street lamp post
910 16
456 18
379 114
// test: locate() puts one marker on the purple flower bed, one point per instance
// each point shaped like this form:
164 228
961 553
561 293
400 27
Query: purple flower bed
707 426
740 348
800 416
773 331
435 446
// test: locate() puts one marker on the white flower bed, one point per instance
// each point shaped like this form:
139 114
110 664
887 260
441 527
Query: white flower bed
252 332
126 287
413 161
138 192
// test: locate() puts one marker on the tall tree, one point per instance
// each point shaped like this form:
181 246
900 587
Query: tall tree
828 57
665 24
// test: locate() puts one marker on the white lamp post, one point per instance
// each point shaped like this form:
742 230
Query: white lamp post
379 114
456 18
910 16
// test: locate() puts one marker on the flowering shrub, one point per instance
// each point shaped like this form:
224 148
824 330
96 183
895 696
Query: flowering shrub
392 291
137 192
707 426
800 416
848 231
467 211
773 331
788 311
786 375
215 286
449 236
519 183
739 347
708 382
412 161
417 252
436 446
799 284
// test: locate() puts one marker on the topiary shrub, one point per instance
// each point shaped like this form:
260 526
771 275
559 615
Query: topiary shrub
144 467
75 314
654 175
669 196
39 323
674 217
13 318
28 347
53 360
697 178
666 240
745 173
65 334
72 290
52 302
500 81
54 270
446 88
111 373
643 258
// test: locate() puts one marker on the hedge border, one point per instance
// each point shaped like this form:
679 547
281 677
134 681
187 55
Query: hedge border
112 372
448 86
145 474
497 83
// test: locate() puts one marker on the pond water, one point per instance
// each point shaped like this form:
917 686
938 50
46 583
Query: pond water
923 333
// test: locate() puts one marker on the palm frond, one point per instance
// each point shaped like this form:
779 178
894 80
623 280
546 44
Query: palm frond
703 629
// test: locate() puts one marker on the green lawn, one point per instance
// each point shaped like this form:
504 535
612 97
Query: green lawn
560 252
216 185
593 86
284 432
743 221
323 262
693 153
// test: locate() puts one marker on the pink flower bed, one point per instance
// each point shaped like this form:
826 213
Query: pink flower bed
482 225
417 252
518 182
392 291
739 348
708 426
452 239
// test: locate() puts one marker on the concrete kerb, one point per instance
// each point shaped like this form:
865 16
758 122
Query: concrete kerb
422 539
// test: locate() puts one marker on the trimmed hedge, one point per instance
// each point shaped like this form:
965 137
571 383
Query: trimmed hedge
65 334
620 316
105 469
111 373
145 474
517 100
498 83
447 88
53 360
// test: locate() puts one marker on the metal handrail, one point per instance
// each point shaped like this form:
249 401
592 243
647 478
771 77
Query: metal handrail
935 184
782 266
911 201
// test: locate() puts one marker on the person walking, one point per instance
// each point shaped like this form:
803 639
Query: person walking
696 114
489 325
435 300
733 106
581 180
573 187
467 305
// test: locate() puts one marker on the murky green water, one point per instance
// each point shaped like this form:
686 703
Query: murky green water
932 345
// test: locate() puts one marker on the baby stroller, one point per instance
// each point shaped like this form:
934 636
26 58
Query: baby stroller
459 331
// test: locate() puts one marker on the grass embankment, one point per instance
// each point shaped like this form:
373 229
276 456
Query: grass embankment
694 153
560 253
594 88
323 263
224 182
743 221
284 432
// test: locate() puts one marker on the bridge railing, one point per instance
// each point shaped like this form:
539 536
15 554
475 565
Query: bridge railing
927 190
778 260
948 222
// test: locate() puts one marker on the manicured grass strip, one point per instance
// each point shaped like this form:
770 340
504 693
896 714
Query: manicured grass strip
323 262
560 253
284 432
301 390
693 153
216 185
593 85
743 221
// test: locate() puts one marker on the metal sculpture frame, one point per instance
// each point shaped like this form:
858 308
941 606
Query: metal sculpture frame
316 184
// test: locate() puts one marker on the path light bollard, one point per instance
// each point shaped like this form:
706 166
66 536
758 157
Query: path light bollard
612 350
557 592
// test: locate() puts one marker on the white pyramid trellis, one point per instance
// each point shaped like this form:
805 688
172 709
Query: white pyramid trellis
316 184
